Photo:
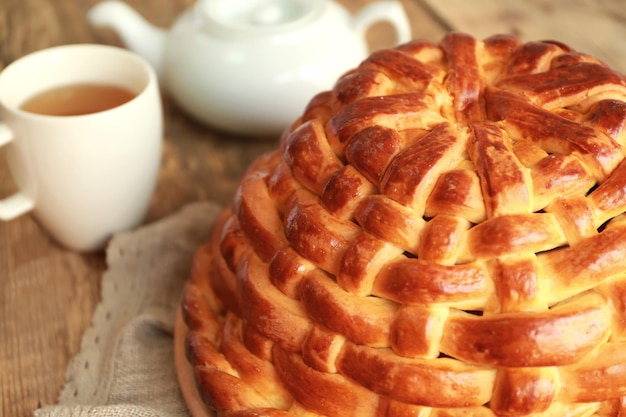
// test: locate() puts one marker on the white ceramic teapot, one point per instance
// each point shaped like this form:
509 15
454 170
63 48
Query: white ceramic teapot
250 67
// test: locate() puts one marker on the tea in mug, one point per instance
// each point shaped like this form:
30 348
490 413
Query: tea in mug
77 99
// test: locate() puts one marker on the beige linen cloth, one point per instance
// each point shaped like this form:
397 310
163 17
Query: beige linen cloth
125 366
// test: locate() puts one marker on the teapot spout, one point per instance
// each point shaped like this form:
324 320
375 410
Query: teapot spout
135 32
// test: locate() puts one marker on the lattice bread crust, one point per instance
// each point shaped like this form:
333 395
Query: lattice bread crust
442 234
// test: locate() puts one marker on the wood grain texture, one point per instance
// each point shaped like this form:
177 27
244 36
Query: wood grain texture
48 294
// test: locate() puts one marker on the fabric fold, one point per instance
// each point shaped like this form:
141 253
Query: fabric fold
125 366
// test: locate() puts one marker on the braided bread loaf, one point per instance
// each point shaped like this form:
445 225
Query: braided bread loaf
442 234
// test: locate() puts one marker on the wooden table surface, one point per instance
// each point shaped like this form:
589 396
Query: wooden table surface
48 294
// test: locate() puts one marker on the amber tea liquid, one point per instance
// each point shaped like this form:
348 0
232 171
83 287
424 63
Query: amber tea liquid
77 99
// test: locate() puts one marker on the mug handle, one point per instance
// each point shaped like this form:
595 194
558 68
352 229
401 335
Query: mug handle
18 203
389 11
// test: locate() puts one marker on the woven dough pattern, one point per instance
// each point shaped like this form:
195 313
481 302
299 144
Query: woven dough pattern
442 234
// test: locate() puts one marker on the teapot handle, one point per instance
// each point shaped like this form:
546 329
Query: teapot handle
389 11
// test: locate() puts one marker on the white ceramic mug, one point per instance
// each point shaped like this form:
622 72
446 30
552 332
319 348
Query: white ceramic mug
83 177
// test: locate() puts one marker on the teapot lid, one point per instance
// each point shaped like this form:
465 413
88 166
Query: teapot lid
259 15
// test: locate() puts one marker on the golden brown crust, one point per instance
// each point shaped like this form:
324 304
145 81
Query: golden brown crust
442 234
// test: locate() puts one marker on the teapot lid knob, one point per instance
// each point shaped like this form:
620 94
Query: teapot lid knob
269 14
261 14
